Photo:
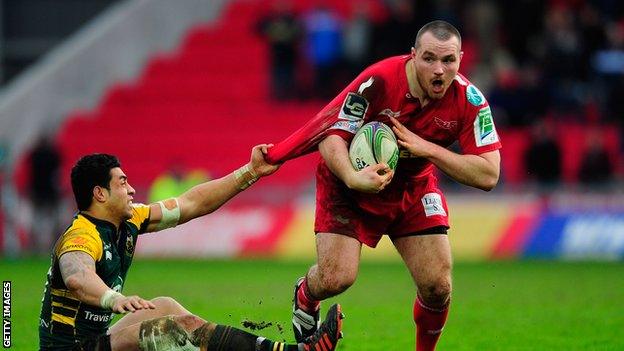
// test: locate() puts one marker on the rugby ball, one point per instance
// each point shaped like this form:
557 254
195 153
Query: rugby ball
374 143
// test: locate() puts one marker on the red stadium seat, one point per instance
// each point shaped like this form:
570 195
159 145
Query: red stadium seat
203 105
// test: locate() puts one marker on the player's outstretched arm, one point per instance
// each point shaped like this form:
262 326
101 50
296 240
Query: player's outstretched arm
479 171
209 196
78 272
371 179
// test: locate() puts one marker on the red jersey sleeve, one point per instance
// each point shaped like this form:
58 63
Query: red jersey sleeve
343 116
478 134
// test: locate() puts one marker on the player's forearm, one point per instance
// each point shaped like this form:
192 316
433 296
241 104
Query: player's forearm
78 273
87 286
207 197
336 155
472 170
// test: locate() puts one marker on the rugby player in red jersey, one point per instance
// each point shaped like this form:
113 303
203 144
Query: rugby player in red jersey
430 106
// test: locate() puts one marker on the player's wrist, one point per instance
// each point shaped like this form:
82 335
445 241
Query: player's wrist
431 151
350 178
107 300
245 176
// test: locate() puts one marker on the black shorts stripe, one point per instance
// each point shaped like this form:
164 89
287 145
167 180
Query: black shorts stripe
439 229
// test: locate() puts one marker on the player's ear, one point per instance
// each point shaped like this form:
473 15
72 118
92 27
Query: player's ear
461 54
413 52
100 194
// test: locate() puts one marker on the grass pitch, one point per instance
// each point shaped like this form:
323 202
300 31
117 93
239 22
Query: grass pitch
496 306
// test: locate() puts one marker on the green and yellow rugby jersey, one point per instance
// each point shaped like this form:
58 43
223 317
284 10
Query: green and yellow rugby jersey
64 320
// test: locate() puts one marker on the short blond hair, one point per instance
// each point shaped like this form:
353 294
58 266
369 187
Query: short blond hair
441 30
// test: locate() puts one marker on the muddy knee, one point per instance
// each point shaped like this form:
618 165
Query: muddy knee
165 333
189 322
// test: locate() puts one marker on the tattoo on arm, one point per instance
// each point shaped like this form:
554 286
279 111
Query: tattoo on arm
74 262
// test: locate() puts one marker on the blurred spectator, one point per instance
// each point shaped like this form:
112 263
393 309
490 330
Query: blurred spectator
608 63
593 37
446 10
396 34
542 159
563 52
522 26
596 167
282 31
358 38
43 190
324 49
486 28
518 96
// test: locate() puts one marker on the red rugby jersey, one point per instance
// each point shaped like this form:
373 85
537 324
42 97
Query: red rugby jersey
381 91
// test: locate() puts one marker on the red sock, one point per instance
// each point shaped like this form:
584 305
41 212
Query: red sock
303 297
429 324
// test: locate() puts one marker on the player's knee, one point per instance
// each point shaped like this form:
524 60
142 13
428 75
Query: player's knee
436 292
189 322
164 333
336 282
168 305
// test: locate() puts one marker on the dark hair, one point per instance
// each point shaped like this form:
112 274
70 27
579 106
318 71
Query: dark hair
91 171
441 30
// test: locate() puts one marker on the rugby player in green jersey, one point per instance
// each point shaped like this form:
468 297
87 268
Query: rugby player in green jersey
92 257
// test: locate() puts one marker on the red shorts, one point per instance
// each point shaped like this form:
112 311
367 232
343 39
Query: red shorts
406 207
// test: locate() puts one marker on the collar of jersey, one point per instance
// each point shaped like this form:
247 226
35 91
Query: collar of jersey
403 78
99 222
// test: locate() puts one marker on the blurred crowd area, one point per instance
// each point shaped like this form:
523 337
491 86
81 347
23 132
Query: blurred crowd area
543 65
533 59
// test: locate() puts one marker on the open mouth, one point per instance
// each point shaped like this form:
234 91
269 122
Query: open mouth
438 85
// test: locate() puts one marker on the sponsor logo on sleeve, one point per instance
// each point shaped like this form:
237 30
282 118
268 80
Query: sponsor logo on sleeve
349 126
353 108
74 247
432 202
78 240
474 96
484 129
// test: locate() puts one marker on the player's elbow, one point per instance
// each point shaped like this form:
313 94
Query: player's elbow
74 283
488 183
